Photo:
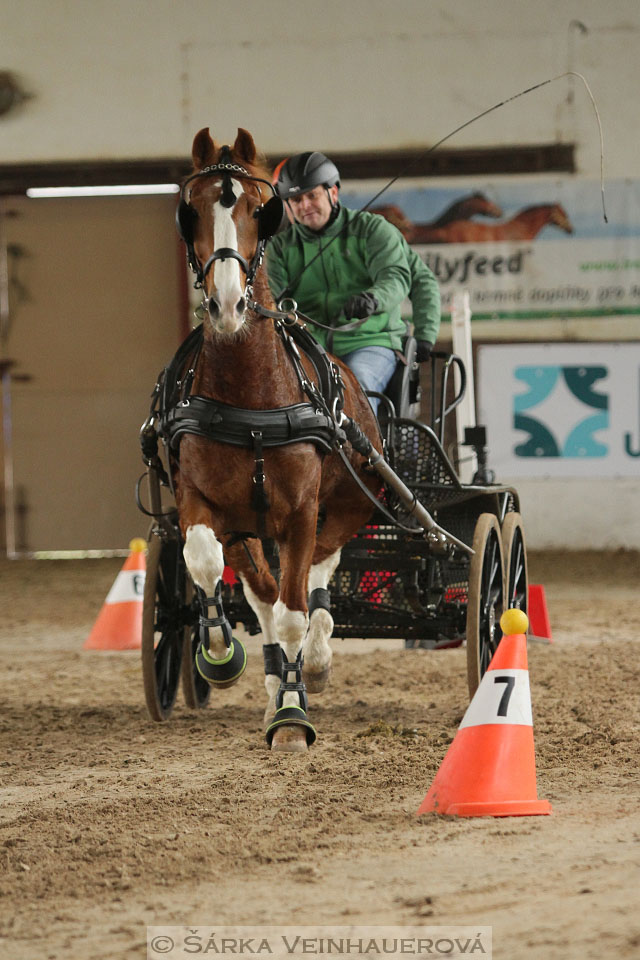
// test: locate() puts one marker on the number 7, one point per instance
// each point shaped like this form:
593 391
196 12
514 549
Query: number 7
506 696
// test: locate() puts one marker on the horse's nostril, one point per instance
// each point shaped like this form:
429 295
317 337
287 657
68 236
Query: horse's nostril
213 307
240 305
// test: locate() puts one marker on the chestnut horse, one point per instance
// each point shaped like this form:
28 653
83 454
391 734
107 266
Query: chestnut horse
314 506
525 225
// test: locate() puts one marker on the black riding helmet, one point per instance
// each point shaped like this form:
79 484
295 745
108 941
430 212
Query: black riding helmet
305 171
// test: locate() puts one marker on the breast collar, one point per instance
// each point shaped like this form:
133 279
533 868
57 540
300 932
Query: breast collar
313 421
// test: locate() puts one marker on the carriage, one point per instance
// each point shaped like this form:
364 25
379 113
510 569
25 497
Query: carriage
391 581
437 561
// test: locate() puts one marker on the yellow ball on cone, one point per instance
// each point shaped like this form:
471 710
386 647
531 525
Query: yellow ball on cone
514 621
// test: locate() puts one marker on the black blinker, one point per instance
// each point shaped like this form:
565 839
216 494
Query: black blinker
186 216
269 218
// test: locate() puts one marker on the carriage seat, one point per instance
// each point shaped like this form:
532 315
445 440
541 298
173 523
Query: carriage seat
403 390
404 387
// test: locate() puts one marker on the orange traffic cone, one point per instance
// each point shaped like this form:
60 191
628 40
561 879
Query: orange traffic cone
119 623
490 768
538 613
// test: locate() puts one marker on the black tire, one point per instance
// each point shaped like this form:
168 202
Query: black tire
163 624
195 689
516 573
485 598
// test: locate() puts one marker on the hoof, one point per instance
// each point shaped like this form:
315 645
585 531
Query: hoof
316 682
290 731
289 740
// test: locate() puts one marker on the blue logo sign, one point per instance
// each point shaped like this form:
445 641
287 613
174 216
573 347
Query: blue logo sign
568 410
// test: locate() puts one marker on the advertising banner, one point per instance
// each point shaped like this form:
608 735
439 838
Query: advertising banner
525 249
561 410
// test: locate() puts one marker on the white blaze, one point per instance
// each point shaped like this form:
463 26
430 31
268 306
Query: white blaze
227 273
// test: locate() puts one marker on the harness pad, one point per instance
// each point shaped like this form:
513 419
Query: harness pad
297 423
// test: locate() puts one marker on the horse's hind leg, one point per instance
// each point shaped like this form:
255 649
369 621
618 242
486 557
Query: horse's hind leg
271 649
261 592
317 650
220 657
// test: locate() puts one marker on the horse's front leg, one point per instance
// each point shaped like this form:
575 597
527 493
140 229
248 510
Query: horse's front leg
290 729
220 658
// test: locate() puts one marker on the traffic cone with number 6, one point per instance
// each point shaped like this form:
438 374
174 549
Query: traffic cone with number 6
490 768
119 623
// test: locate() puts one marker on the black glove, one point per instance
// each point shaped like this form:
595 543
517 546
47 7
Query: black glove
423 350
360 305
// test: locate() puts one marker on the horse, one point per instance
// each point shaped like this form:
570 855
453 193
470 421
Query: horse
475 204
397 217
231 497
525 225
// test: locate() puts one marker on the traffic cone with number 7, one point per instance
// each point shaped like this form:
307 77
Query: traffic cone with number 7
490 768
119 623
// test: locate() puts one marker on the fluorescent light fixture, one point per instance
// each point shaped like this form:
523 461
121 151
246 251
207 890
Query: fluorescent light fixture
125 189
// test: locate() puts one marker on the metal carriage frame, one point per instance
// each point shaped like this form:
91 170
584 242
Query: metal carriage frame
392 581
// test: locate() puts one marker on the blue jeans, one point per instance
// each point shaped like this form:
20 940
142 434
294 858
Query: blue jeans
373 366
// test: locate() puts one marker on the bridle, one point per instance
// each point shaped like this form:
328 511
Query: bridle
269 216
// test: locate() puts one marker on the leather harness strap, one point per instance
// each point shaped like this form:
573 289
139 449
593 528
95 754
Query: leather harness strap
176 412
214 420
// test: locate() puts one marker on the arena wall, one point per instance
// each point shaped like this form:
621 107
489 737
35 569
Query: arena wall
96 314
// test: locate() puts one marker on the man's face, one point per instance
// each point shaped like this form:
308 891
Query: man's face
313 208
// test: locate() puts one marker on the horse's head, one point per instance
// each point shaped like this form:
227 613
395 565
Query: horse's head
225 216
485 207
558 217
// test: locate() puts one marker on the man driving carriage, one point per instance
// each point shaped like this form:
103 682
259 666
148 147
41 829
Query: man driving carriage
349 271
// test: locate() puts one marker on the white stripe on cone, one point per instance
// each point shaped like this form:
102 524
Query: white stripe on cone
502 697
128 586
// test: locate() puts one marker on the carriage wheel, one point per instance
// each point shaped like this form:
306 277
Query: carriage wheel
163 624
486 598
514 548
195 689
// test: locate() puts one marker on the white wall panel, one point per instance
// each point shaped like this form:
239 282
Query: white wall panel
135 80
130 80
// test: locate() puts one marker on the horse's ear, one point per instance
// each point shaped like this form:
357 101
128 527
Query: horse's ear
203 150
244 147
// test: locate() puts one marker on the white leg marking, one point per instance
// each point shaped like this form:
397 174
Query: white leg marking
317 651
320 573
203 556
227 272
205 562
264 613
291 626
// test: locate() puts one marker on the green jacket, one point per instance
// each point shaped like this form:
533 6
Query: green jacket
425 298
369 255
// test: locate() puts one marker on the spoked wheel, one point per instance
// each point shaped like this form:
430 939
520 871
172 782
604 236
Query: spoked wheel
195 688
485 598
163 624
514 548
